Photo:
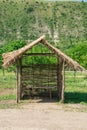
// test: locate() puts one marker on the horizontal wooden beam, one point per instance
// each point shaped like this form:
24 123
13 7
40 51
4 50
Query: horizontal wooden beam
28 87
45 66
39 54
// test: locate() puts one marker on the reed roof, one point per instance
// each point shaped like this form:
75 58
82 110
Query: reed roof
11 57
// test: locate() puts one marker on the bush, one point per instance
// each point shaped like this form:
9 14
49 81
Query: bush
30 9
13 45
79 53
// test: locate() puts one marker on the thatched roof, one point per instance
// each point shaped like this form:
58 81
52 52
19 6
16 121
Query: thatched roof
11 57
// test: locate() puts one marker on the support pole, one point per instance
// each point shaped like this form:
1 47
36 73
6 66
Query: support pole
17 82
61 80
19 70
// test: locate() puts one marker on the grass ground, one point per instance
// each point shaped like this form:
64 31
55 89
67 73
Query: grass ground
76 87
7 85
75 91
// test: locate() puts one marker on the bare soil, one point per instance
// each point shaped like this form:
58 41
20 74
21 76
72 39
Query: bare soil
4 92
43 115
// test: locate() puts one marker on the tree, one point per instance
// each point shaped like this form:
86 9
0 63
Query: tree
79 53
14 45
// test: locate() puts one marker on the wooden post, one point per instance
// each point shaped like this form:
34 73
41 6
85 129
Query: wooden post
19 70
17 83
61 81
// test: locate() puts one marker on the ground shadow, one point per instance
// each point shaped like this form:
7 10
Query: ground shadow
75 97
70 97
42 97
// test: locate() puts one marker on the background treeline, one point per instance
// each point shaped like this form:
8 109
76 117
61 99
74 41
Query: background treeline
63 23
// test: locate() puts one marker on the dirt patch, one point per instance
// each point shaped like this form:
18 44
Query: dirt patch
7 91
42 116
41 104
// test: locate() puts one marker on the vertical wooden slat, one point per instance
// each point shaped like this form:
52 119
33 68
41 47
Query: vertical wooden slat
61 81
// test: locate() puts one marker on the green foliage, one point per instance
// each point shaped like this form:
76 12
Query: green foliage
79 53
11 46
39 59
30 19
30 9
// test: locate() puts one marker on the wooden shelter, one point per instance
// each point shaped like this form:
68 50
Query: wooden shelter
38 75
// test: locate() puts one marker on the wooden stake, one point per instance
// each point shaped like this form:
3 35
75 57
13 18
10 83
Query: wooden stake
17 97
19 70
61 81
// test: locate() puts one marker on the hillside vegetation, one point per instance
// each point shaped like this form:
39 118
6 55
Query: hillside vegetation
63 23
60 21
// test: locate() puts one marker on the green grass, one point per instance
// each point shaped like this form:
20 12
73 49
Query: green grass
7 89
8 97
8 80
76 87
